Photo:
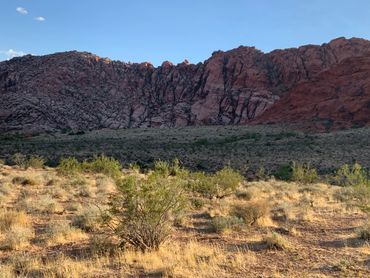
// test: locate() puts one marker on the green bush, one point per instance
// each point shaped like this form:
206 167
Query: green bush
36 161
177 170
219 185
227 180
351 175
197 203
165 169
162 168
284 172
69 166
221 223
142 210
303 173
203 184
358 181
104 165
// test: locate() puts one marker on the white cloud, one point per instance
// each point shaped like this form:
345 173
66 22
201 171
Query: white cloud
40 18
21 10
9 54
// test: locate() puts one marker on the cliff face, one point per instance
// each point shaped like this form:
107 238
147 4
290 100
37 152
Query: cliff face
335 99
81 91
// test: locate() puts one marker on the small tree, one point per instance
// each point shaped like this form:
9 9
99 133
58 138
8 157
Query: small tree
142 210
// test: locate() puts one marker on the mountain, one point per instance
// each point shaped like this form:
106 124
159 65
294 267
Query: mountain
317 87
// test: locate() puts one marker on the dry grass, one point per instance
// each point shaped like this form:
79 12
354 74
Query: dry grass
51 229
62 232
189 260
276 241
44 204
16 230
10 218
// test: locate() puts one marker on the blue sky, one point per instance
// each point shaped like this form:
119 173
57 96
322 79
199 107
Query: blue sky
158 30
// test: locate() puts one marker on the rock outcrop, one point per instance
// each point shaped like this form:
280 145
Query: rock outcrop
311 84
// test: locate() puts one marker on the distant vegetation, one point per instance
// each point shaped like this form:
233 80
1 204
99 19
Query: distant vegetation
208 149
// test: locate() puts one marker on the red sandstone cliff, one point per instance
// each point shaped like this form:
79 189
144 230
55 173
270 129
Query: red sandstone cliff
320 87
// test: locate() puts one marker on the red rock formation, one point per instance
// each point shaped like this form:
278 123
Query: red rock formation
81 91
335 99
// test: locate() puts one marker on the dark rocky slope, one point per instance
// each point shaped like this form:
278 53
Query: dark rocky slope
81 91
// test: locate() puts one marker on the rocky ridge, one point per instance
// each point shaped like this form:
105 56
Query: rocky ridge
321 87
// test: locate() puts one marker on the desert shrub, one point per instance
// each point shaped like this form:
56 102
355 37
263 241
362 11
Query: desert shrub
303 173
142 210
357 186
177 170
28 265
69 166
165 169
250 212
85 190
277 242
77 182
262 174
364 231
244 194
87 218
219 185
104 165
351 175
227 180
284 172
17 237
20 160
61 232
10 218
220 224
197 203
36 162
203 184
14 226
162 168
22 264
134 167
101 245
23 180
5 188
104 185
42 204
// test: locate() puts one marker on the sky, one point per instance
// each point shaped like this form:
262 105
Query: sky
158 30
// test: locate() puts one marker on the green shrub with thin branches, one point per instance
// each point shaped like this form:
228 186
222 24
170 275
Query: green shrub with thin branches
69 166
223 183
303 173
142 211
104 165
